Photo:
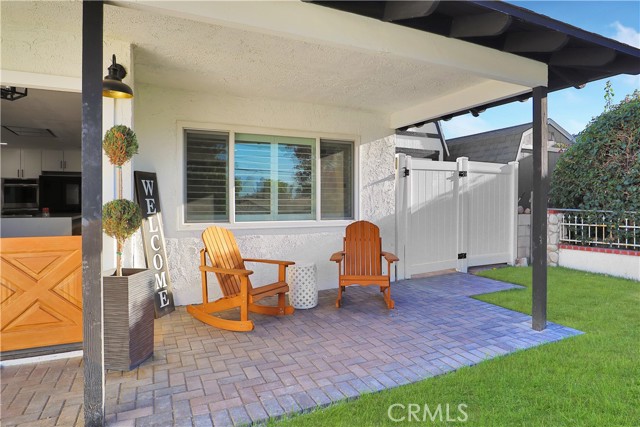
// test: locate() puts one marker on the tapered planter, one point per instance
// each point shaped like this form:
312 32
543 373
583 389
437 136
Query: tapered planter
128 318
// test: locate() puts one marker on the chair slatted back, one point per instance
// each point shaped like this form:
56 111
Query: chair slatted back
224 253
362 247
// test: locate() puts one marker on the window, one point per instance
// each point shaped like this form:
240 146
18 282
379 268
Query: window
274 178
207 158
336 162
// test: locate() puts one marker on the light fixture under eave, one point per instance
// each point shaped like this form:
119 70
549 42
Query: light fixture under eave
11 93
112 86
475 112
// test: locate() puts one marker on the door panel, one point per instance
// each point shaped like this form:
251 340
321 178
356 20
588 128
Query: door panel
40 292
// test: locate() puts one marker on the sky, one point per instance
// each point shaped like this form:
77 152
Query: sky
570 108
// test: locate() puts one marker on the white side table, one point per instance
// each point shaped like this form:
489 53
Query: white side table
303 286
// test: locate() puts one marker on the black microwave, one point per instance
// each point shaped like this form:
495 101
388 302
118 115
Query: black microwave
61 193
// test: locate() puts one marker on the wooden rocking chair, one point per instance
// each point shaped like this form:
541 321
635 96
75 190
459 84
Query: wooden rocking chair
233 277
360 263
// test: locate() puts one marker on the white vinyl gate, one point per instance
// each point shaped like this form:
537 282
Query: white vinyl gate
454 214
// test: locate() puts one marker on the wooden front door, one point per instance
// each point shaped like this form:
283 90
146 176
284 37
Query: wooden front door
40 292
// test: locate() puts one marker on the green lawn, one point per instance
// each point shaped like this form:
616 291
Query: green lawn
588 380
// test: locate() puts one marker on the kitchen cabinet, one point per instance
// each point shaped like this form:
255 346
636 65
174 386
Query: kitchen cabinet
21 163
73 161
61 161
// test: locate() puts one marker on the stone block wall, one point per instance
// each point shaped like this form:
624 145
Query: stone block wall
553 237
524 236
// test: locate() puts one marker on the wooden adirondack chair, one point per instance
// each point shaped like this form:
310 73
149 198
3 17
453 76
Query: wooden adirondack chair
360 263
233 277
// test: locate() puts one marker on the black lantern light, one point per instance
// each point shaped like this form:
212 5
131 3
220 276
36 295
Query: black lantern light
112 86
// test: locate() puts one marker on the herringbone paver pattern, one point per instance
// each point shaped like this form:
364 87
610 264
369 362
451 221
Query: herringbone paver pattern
201 376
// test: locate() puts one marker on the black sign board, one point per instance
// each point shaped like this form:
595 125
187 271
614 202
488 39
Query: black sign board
148 198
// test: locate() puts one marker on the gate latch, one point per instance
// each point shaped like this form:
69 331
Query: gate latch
462 174
407 171
462 255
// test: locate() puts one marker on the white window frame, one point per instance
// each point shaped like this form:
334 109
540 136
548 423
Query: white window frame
182 225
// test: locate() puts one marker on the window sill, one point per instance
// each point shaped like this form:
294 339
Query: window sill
268 225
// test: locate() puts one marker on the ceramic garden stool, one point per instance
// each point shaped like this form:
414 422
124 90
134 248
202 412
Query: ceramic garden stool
303 286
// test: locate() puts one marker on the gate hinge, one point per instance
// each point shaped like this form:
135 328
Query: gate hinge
407 171
462 174
462 255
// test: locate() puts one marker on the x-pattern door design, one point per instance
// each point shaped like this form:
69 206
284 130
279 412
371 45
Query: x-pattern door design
40 292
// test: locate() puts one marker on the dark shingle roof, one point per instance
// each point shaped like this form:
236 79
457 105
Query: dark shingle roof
496 146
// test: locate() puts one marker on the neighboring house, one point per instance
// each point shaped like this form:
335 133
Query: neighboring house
511 144
425 142
279 120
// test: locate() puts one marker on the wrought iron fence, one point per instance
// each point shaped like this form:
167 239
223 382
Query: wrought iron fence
604 229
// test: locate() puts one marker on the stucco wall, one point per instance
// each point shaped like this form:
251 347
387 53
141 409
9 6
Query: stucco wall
157 113
613 264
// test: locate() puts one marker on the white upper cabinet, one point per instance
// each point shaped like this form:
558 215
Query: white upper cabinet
10 162
52 160
72 161
61 161
31 163
21 163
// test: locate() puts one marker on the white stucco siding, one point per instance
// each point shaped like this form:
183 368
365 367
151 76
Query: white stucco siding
158 112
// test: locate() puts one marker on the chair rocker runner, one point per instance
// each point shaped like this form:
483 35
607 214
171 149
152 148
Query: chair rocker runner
228 265
360 263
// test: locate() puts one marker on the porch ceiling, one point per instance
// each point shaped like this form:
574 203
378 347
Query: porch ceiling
198 56
244 49
290 51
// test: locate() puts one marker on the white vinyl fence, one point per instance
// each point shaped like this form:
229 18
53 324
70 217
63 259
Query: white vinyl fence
454 214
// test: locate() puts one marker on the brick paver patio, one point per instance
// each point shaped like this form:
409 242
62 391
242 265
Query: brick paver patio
201 376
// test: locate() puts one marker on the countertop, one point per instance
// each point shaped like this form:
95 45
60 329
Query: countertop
39 215
38 225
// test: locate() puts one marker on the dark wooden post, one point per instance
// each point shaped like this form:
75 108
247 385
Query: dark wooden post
539 214
93 340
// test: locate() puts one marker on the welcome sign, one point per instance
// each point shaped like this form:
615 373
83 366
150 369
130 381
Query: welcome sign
155 252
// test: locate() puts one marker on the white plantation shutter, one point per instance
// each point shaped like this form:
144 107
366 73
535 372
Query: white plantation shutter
336 177
274 178
207 160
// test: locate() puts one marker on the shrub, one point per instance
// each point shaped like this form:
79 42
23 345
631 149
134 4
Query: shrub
120 219
602 170
120 144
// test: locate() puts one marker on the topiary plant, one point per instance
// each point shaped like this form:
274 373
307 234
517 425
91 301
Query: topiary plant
120 144
120 218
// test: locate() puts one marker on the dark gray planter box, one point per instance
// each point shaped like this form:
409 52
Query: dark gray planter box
128 318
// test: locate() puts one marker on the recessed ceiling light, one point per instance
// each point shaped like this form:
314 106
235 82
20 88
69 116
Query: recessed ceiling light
32 132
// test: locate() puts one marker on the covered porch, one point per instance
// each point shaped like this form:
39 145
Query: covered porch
204 376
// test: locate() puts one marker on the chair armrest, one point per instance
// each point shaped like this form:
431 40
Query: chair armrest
232 271
389 256
337 257
269 261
